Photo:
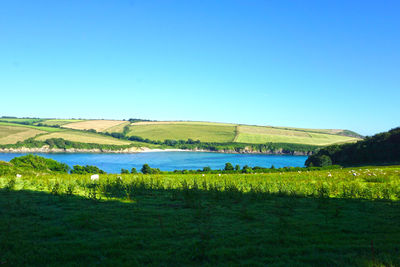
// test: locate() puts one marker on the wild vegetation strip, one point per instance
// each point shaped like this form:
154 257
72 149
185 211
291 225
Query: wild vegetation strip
345 217
98 125
204 133
12 134
261 135
84 137
20 120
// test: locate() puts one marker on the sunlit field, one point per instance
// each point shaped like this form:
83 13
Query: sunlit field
343 217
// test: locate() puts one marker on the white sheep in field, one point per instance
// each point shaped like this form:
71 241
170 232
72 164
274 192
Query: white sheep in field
94 177
18 175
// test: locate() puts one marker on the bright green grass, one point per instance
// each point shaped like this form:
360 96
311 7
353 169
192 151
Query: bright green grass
204 133
287 219
261 135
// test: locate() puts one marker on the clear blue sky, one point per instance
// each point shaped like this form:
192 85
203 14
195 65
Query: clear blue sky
315 64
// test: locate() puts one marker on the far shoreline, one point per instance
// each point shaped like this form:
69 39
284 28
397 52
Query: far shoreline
136 150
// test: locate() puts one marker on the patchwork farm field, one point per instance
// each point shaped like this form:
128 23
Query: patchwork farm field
57 122
76 131
347 217
98 125
84 137
10 134
214 132
261 135
181 131
118 128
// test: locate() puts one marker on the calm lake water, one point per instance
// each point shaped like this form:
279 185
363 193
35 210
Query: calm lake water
168 161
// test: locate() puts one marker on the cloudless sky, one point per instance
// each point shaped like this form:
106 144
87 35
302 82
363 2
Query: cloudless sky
314 64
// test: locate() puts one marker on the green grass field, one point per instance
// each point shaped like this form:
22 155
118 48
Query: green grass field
319 218
181 131
214 132
261 135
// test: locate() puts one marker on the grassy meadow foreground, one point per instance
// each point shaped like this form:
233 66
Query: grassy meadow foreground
338 217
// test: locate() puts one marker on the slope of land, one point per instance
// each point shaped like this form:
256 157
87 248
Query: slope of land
10 134
202 132
84 137
208 136
215 132
382 148
262 135
98 125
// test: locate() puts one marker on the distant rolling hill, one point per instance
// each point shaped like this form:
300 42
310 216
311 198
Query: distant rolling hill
13 130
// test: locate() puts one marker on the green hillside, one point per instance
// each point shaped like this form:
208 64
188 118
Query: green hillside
215 132
176 134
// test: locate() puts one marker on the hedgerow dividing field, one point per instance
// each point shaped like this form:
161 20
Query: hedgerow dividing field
346 217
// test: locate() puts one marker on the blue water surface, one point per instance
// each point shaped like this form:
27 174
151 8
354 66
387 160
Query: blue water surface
167 161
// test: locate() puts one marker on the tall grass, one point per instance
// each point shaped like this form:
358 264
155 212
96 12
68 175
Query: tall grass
372 184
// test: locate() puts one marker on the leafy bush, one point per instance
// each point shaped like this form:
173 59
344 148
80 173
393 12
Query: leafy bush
39 163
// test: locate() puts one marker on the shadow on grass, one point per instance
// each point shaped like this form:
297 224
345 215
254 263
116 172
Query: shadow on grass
195 227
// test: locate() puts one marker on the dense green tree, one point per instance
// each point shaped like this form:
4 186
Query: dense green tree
206 169
382 148
146 169
133 171
124 171
228 167
88 169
